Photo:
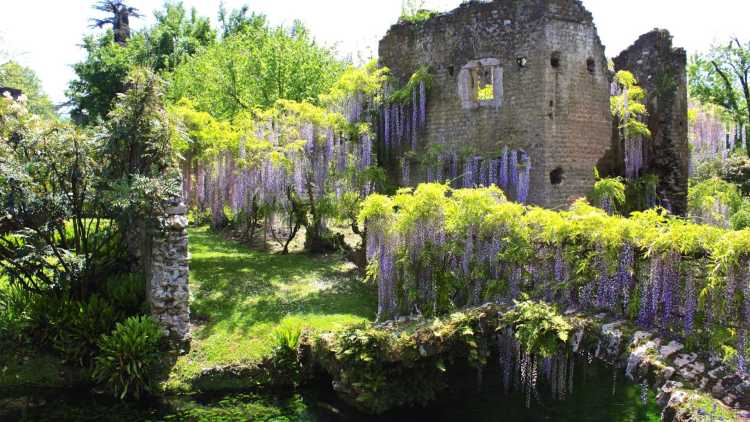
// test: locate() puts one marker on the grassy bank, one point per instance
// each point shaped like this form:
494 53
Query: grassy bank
240 296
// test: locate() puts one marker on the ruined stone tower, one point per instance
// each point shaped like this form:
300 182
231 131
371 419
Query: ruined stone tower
525 76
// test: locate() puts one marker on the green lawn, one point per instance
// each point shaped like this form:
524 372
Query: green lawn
239 296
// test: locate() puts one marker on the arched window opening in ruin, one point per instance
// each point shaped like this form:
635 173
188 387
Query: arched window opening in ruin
591 65
554 61
480 83
556 176
451 70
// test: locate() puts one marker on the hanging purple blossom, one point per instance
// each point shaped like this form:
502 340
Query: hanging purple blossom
691 302
468 254
559 265
503 170
741 348
484 171
744 268
586 295
730 288
625 279
366 154
342 156
493 171
516 278
439 168
469 173
606 293
649 302
399 123
387 126
405 180
422 103
513 170
523 178
454 166
414 119
670 280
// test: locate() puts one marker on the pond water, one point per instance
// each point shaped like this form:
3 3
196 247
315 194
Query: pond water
598 395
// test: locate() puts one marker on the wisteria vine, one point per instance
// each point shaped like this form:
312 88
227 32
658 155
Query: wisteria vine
474 246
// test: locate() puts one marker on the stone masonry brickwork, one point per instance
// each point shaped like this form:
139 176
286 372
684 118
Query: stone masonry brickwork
555 90
661 71
167 274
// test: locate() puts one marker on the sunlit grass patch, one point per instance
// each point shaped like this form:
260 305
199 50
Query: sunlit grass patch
239 296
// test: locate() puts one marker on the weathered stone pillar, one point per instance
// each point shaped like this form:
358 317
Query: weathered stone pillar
168 291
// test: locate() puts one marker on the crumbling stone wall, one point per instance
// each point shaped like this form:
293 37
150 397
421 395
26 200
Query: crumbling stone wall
167 273
661 71
554 89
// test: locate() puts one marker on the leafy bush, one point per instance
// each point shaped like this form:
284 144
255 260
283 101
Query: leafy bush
737 170
609 193
640 193
538 327
196 217
284 357
77 326
741 219
128 356
126 293
14 319
413 11
713 201
286 336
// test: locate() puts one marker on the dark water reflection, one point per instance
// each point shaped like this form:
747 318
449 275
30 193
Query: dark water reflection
598 396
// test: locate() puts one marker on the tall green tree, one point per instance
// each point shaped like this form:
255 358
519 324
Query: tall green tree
722 77
240 20
99 78
175 36
14 75
255 68
119 18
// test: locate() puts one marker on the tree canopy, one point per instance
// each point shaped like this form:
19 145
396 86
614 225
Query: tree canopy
176 35
722 77
14 75
255 67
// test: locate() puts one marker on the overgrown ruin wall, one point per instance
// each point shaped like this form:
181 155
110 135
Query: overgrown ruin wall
551 95
661 71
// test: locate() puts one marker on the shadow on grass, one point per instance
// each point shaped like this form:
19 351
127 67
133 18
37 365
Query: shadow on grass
235 288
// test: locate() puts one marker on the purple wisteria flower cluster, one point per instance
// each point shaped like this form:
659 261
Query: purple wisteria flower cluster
243 183
524 372
401 123
511 172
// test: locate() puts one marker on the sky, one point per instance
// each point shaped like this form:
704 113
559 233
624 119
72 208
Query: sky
46 34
